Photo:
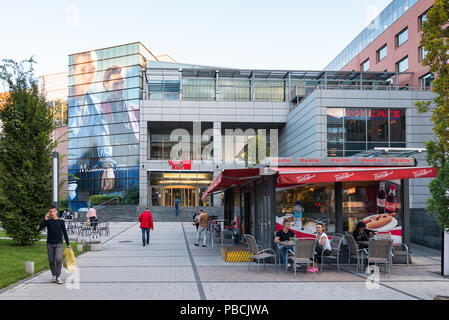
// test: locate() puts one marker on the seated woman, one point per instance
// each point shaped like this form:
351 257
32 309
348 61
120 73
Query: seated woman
361 233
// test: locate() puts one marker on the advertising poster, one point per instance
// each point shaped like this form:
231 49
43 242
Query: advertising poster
103 119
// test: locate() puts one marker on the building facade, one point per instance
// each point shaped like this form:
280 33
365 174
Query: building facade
391 43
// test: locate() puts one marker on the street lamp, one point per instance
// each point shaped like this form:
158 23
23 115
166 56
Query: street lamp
55 180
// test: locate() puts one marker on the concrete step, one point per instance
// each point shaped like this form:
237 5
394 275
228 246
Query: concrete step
128 213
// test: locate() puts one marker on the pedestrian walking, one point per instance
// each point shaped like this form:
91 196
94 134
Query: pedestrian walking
195 218
55 231
146 223
203 221
177 202
92 216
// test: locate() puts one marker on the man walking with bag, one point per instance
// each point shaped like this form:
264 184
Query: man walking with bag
146 223
55 231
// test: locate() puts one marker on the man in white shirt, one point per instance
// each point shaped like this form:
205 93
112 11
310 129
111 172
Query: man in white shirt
323 246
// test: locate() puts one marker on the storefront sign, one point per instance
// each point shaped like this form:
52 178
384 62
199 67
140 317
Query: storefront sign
180 165
340 161
372 114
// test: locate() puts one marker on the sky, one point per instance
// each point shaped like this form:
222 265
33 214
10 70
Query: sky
250 34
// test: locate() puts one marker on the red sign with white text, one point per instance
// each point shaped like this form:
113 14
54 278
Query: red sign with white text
180 165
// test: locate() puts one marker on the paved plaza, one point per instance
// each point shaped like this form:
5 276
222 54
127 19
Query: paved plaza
173 268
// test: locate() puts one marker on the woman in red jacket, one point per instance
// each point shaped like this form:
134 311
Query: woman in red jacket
146 223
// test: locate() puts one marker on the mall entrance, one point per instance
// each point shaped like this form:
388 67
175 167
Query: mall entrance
186 194
165 187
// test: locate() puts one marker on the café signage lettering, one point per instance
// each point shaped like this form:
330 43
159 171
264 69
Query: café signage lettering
372 114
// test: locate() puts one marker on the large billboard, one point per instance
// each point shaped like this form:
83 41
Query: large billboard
105 88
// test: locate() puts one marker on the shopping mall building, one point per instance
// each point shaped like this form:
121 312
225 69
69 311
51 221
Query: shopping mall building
167 130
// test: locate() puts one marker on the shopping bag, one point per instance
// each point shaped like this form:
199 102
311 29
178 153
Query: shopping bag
68 260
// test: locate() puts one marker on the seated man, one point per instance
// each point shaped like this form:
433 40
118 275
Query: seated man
284 235
323 246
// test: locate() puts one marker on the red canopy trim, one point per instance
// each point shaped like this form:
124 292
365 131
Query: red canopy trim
230 178
301 175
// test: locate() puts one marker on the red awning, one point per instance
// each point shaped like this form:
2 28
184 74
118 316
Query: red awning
288 176
230 178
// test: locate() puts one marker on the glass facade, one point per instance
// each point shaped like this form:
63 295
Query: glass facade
383 21
318 202
352 130
103 113
188 187
372 202
174 141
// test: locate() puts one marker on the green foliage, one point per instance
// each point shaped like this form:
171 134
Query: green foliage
131 196
63 204
25 153
95 200
435 40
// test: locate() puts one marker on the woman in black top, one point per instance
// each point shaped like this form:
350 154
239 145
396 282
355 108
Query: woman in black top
361 233
55 231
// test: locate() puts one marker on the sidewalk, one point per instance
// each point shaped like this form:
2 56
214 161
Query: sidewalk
173 268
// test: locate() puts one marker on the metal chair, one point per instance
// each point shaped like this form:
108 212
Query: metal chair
355 251
404 252
303 253
256 252
380 252
335 243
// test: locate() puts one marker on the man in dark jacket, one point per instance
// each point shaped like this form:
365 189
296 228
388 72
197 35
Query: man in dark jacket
55 231
146 223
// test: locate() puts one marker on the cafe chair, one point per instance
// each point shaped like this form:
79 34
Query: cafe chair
257 253
380 252
303 253
355 252
335 243
404 252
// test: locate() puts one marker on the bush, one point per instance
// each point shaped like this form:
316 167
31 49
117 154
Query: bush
95 200
131 196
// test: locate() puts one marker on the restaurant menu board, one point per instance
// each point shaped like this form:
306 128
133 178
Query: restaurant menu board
377 204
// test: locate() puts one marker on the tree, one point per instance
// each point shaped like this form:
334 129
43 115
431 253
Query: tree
25 153
435 40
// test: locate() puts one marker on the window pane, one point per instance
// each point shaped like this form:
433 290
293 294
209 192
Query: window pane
397 125
355 124
402 37
377 124
382 53
402 65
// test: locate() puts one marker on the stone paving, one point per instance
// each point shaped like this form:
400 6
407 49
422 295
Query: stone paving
173 268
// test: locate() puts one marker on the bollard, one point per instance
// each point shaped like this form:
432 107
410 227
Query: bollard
29 267
79 247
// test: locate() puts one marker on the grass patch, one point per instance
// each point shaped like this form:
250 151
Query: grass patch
13 257
4 235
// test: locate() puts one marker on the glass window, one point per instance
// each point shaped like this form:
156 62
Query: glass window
426 81
377 124
378 204
382 53
397 125
422 18
401 37
402 65
365 65
318 202
422 53
335 131
355 124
